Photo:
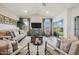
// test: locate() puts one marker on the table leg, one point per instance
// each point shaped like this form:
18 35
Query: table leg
37 50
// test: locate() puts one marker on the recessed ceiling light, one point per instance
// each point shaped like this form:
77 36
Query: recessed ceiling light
44 4
25 11
47 12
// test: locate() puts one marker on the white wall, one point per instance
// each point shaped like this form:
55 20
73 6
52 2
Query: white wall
73 12
5 12
37 19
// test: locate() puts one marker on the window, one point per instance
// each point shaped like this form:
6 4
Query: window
58 28
26 25
47 26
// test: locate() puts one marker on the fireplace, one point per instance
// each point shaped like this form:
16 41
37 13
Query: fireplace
36 25
36 28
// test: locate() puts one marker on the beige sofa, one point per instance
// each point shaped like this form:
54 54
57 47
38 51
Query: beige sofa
68 46
4 47
74 49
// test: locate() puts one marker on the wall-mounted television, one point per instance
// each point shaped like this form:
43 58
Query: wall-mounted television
36 25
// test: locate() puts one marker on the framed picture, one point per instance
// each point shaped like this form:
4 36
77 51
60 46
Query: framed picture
16 22
1 19
10 21
6 20
13 21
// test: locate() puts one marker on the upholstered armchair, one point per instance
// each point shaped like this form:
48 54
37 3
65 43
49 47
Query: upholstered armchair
74 49
8 47
3 47
66 47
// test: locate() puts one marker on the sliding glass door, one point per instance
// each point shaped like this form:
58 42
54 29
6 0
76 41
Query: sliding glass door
47 26
25 25
58 28
76 28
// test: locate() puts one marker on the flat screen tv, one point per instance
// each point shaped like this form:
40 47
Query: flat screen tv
36 25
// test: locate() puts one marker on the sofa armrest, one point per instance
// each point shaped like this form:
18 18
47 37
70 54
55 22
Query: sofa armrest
5 37
57 49
18 50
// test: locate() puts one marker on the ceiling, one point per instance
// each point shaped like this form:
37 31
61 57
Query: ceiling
29 9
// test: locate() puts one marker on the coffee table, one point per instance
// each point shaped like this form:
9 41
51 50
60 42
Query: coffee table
37 42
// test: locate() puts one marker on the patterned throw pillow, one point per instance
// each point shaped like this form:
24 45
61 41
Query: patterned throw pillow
14 45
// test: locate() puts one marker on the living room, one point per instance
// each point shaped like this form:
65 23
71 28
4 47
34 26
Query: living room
39 29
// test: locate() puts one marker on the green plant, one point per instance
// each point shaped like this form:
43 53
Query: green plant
37 34
20 23
48 35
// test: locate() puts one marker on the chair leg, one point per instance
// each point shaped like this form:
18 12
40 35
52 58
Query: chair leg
28 49
45 47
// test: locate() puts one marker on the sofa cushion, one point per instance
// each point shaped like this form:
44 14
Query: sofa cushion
3 47
10 49
14 45
19 37
52 51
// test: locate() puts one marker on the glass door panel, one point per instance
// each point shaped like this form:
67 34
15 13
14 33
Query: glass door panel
26 25
47 27
57 28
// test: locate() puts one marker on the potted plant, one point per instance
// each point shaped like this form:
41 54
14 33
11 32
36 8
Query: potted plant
20 23
37 35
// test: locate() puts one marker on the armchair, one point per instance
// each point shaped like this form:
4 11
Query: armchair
19 50
74 49
66 47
